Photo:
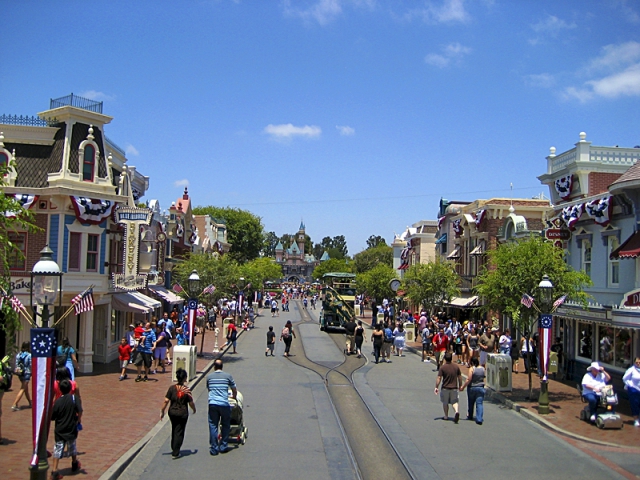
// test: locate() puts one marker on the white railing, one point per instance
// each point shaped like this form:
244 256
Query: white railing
562 160
614 156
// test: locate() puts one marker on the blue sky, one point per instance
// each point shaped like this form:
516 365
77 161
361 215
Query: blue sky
354 115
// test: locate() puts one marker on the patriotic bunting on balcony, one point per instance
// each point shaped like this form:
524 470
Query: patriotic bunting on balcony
90 210
480 216
457 227
600 210
571 215
179 230
564 186
25 201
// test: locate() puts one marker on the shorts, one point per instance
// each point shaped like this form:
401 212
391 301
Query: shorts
124 363
483 357
160 352
425 347
58 448
143 359
270 346
449 396
440 355
25 377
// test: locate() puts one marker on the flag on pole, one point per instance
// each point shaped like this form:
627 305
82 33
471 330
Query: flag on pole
43 370
209 290
83 302
177 288
545 331
559 301
192 306
527 300
16 304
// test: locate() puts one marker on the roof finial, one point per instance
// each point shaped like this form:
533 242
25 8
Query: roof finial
90 134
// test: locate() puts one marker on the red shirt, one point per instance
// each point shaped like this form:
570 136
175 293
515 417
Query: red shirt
124 352
440 342
138 331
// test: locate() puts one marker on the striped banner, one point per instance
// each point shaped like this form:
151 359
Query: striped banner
43 372
545 334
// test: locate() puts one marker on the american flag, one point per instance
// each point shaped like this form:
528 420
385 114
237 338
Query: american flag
43 369
83 302
559 301
177 288
16 304
527 300
209 290
544 343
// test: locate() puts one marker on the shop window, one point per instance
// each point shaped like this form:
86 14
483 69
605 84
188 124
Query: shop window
89 163
585 340
75 240
92 253
614 263
614 346
18 256
116 256
586 257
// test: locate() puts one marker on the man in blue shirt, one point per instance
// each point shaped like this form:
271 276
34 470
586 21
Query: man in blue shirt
145 351
218 384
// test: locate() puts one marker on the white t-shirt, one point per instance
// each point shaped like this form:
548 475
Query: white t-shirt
599 381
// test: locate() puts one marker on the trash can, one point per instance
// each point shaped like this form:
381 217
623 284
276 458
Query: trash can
184 356
553 362
499 372
409 328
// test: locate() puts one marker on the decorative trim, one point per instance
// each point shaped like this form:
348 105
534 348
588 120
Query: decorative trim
600 210
564 186
90 210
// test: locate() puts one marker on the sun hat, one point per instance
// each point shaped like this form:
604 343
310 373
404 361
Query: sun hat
595 365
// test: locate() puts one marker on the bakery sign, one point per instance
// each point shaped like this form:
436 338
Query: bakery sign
632 299
132 218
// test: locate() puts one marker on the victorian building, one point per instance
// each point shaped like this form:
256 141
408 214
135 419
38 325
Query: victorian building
296 265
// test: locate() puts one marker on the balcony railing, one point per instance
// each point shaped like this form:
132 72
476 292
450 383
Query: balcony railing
76 101
26 121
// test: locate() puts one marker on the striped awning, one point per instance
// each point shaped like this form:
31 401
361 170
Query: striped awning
629 249
442 239
463 302
455 254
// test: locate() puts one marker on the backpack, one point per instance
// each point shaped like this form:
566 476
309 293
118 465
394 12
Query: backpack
388 335
285 333
6 374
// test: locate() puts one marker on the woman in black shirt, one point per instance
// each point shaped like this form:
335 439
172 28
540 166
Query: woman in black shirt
178 397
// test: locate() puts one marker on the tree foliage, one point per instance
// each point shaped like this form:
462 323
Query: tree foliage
375 241
222 272
270 244
369 258
432 284
336 246
245 230
332 265
516 268
375 282
259 271
318 251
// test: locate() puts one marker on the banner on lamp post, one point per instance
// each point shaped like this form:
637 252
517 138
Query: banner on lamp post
192 306
545 332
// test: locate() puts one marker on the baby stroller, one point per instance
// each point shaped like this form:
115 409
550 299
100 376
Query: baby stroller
607 402
238 431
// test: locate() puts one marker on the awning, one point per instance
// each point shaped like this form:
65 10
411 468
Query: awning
629 249
479 250
463 302
455 254
442 239
134 302
165 294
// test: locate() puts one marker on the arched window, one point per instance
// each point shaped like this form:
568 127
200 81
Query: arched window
89 162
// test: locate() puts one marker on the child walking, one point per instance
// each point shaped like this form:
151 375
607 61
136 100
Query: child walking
271 342
65 415
124 355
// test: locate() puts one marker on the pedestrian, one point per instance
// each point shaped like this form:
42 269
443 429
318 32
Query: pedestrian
631 380
178 398
274 307
65 414
287 337
440 345
218 385
387 343
62 373
66 355
160 349
514 351
399 339
23 371
5 384
350 330
377 338
271 341
232 336
426 343
593 385
526 352
451 377
475 390
124 355
145 352
359 338
487 345
181 338
472 344
505 343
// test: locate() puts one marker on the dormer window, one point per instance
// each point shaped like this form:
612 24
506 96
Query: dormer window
88 163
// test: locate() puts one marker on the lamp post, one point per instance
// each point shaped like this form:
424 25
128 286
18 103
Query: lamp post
46 283
545 322
192 304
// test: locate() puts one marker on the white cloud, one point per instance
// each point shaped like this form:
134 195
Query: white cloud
626 83
131 150
450 53
97 96
321 11
614 56
181 183
345 130
543 80
552 24
448 11
288 131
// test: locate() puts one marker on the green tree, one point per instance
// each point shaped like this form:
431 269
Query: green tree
222 272
318 251
259 271
332 265
375 240
431 285
270 243
516 268
369 258
336 246
22 220
375 282
245 230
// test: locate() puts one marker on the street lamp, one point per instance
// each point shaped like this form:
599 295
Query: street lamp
46 283
545 322
193 284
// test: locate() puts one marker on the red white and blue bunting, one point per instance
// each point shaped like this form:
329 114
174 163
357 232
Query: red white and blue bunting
25 201
571 215
457 227
404 257
600 210
90 210
480 216
564 185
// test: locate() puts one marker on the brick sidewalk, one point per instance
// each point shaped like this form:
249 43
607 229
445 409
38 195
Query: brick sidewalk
565 405
117 415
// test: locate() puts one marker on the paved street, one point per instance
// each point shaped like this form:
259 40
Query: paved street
293 432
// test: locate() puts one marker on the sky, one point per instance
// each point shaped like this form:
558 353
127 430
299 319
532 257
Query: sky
354 116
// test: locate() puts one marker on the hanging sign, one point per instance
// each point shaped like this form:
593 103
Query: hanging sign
132 218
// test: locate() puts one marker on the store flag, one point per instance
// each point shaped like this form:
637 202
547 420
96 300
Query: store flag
545 332
527 300
43 371
83 302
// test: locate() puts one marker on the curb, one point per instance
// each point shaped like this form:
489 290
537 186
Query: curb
116 469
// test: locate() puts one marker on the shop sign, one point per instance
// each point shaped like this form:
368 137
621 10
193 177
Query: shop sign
20 285
632 299
132 218
557 234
